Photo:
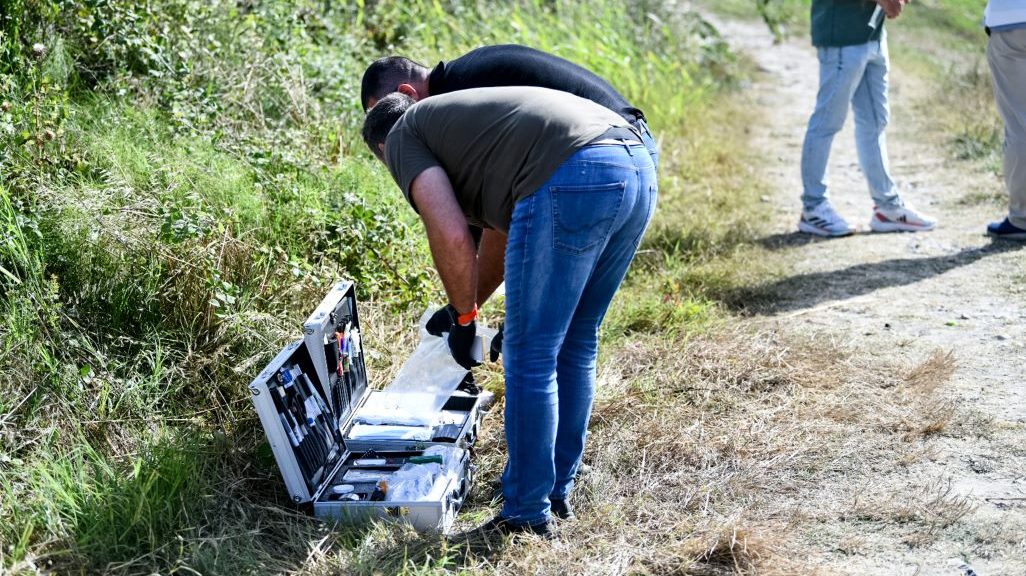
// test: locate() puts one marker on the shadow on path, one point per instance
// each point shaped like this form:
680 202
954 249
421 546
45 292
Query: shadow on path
808 290
785 240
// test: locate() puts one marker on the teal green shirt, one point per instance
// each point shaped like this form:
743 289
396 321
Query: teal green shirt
843 22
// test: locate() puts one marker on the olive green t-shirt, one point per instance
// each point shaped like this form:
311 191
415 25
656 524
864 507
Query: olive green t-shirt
497 145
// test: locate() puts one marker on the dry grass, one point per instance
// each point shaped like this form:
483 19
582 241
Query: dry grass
736 452
931 412
714 455
932 373
921 510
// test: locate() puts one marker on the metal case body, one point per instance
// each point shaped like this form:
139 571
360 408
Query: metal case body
434 515
311 370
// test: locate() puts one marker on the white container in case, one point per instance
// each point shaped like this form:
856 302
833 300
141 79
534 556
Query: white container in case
306 398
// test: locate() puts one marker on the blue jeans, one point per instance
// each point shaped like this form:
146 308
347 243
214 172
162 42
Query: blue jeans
855 75
568 249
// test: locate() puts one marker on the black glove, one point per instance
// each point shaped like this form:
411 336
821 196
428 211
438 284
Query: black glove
461 344
441 321
496 348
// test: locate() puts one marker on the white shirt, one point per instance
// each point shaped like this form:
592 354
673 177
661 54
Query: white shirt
1004 12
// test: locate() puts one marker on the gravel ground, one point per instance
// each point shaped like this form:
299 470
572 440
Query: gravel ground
903 297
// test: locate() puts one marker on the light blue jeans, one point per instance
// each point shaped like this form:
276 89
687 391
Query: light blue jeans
568 249
855 76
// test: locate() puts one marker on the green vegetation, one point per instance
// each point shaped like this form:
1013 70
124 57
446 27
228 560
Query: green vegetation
942 43
784 18
182 180
961 112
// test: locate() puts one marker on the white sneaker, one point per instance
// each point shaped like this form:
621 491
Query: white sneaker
823 220
901 219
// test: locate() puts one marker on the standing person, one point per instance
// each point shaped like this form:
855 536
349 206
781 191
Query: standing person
568 188
501 65
853 67
1006 53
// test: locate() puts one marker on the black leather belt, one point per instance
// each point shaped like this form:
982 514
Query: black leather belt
617 135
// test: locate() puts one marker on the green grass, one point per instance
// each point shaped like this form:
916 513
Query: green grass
784 18
937 41
701 243
957 19
943 45
960 21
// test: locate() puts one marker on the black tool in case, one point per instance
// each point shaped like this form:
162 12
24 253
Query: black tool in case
306 399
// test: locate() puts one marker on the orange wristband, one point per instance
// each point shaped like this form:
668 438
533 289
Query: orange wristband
466 319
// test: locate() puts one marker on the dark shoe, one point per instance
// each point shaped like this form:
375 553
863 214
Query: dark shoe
503 526
1005 229
561 509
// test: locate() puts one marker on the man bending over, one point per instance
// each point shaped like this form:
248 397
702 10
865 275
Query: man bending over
568 188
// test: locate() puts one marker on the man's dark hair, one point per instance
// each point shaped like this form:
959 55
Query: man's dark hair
384 76
382 117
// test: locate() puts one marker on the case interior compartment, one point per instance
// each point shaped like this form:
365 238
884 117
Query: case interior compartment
303 432
458 422
370 466
436 512
333 338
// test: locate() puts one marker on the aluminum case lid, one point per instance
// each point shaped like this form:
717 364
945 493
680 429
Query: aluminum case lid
333 338
306 394
305 453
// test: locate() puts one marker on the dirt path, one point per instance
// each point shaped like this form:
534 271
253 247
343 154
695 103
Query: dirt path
904 296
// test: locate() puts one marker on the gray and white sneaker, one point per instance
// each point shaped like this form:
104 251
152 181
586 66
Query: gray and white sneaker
901 219
823 220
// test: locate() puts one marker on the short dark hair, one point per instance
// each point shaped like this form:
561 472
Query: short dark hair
382 117
384 76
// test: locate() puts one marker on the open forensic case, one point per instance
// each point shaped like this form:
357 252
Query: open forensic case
309 399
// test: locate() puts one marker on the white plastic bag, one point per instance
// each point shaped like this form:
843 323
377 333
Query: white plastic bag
422 387
416 482
389 432
424 384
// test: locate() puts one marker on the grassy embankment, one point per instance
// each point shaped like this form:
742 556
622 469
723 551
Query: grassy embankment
179 184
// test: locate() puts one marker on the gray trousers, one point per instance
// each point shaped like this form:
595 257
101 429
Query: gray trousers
1006 53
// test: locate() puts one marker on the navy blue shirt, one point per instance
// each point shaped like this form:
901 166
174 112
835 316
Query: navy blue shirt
843 22
513 65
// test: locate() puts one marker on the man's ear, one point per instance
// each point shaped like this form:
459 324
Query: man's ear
410 91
